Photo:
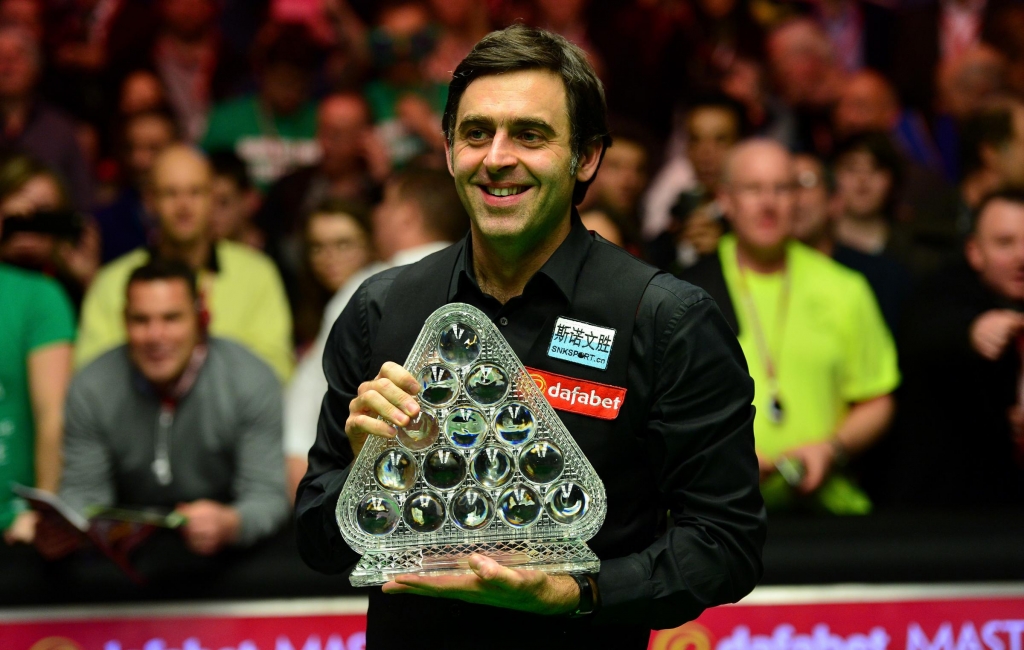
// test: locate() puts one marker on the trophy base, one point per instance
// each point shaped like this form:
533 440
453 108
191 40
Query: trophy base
570 556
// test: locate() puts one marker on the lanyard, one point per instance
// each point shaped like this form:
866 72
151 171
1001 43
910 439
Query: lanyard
769 361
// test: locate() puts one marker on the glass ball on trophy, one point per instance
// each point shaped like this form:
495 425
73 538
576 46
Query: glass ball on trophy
519 506
395 470
420 433
492 467
444 468
541 462
466 427
486 467
472 508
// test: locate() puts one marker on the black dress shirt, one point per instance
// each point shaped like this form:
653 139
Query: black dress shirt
697 446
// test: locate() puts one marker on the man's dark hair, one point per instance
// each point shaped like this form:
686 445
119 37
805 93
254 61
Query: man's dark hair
1013 195
722 102
520 47
359 212
225 163
159 268
434 192
991 126
880 147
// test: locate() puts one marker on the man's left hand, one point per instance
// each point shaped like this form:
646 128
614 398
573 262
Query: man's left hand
210 525
496 585
817 459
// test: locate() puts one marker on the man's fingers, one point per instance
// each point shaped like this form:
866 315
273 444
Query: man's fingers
400 376
395 395
366 425
373 403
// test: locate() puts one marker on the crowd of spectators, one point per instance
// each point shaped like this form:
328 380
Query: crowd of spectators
192 190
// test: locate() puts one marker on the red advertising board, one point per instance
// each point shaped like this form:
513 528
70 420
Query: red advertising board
878 618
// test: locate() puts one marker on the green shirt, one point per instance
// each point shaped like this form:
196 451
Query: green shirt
830 350
245 299
270 145
34 313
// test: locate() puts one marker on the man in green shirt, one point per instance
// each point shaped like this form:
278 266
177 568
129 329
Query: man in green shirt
239 286
822 359
272 130
35 366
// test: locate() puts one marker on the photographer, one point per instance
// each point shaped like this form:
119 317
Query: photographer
42 233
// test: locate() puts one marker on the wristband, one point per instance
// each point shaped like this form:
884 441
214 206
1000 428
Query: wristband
588 595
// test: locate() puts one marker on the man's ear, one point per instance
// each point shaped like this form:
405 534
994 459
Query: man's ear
590 160
448 156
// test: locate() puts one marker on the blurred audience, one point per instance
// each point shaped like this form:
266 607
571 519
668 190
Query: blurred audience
126 223
352 165
712 126
43 233
338 244
814 224
238 285
272 130
959 435
421 214
35 368
32 125
459 24
406 104
822 359
193 63
235 201
175 420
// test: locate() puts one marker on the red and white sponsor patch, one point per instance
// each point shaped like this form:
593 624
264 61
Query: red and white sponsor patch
578 396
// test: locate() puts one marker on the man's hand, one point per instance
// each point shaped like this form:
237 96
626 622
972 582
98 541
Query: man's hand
210 525
23 528
496 585
390 396
817 459
992 331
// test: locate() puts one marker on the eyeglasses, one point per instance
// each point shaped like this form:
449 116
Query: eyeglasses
337 246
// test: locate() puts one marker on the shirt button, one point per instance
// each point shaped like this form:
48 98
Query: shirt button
503 321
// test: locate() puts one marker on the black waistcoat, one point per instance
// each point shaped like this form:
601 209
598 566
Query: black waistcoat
607 293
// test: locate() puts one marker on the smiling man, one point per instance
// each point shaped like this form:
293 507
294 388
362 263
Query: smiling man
525 128
174 420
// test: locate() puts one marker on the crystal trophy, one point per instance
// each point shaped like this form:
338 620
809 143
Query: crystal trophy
487 467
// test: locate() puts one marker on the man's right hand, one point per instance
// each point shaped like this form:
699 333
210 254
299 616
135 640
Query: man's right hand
993 330
389 395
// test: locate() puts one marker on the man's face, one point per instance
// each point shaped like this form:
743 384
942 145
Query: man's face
512 157
17 69
759 197
811 200
182 199
861 185
623 176
996 249
231 208
285 88
145 138
163 328
342 124
867 104
711 132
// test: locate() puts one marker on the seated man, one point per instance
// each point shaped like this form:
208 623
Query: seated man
822 359
177 421
239 286
958 437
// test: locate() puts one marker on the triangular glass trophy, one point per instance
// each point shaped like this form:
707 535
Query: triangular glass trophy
488 467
